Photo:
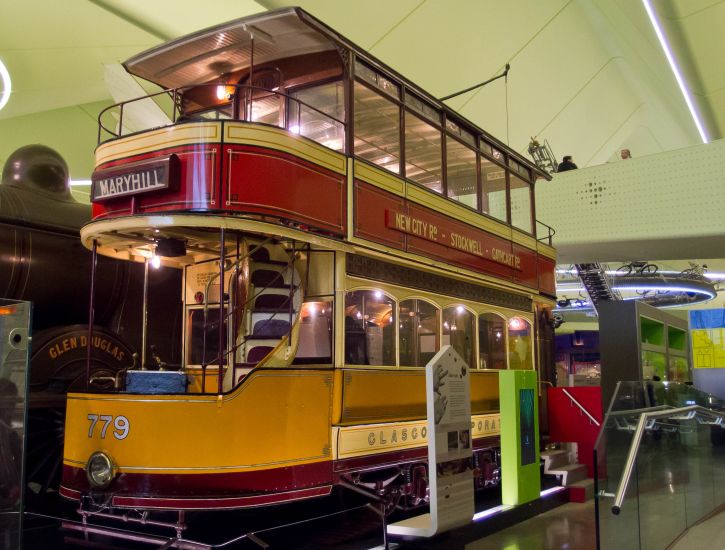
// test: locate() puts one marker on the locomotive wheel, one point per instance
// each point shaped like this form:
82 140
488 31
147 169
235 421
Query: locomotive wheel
58 366
44 455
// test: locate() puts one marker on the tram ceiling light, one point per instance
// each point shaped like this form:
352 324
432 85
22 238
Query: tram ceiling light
6 85
675 69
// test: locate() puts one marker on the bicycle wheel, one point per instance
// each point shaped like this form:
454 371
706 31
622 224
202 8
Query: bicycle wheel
647 269
624 270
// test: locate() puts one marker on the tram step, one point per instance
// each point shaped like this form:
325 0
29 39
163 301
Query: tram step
283 309
570 473
270 278
271 302
274 286
270 263
581 491
554 458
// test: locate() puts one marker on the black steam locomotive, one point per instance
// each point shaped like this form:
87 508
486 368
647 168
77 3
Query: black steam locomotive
43 261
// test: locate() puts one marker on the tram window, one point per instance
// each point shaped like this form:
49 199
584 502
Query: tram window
315 337
377 129
369 328
521 204
320 125
520 349
494 189
491 341
267 110
376 79
196 341
423 153
422 108
419 329
455 129
458 331
461 169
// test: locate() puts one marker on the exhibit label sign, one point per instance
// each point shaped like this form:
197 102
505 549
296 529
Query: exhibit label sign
450 454
450 450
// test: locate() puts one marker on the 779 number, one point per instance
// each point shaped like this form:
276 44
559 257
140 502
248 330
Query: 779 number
121 425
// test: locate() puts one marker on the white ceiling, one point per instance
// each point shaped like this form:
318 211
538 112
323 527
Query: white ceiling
588 75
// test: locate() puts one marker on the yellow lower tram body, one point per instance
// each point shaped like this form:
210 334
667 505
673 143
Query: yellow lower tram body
281 435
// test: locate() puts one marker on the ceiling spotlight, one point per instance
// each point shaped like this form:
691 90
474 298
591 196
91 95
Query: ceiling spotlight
6 85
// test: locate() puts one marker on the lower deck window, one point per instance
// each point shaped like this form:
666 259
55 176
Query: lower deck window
201 349
419 330
315 336
369 328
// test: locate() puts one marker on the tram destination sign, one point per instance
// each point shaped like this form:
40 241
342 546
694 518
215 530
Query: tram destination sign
135 178
466 241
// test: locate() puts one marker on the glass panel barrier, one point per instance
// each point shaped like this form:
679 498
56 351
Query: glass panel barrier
671 438
14 340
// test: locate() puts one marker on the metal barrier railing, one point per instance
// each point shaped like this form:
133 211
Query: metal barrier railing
644 419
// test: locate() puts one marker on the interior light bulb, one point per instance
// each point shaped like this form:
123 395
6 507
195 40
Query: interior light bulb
155 261
221 92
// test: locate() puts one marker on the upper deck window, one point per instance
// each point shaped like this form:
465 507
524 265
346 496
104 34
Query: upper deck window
377 128
317 113
377 80
422 108
455 129
462 180
493 179
423 162
521 216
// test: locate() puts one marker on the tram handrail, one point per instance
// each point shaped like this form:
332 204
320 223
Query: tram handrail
637 440
225 354
550 232
177 113
581 407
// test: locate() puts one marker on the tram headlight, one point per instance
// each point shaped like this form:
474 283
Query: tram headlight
100 470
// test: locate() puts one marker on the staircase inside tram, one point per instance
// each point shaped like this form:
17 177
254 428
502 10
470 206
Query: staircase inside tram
267 332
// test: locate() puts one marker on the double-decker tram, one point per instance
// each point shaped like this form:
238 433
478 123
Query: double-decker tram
335 225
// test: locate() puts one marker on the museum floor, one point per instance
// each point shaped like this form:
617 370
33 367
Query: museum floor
571 527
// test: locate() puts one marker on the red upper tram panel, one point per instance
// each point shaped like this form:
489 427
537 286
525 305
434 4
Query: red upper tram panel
279 120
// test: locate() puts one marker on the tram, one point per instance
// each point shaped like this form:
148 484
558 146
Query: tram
335 226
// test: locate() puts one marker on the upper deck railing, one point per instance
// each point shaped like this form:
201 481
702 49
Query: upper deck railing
240 103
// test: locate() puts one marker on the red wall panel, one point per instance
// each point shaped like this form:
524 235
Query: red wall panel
261 181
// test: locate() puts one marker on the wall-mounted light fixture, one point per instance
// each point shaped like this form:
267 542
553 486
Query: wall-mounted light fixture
675 69
6 87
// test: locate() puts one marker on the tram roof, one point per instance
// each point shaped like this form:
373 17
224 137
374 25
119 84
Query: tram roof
203 56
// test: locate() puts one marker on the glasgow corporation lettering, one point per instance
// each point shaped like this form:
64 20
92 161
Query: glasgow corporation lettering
137 178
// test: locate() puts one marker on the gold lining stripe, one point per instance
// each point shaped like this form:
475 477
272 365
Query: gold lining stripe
281 140
180 134
546 250
370 439
524 240
379 178
456 212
